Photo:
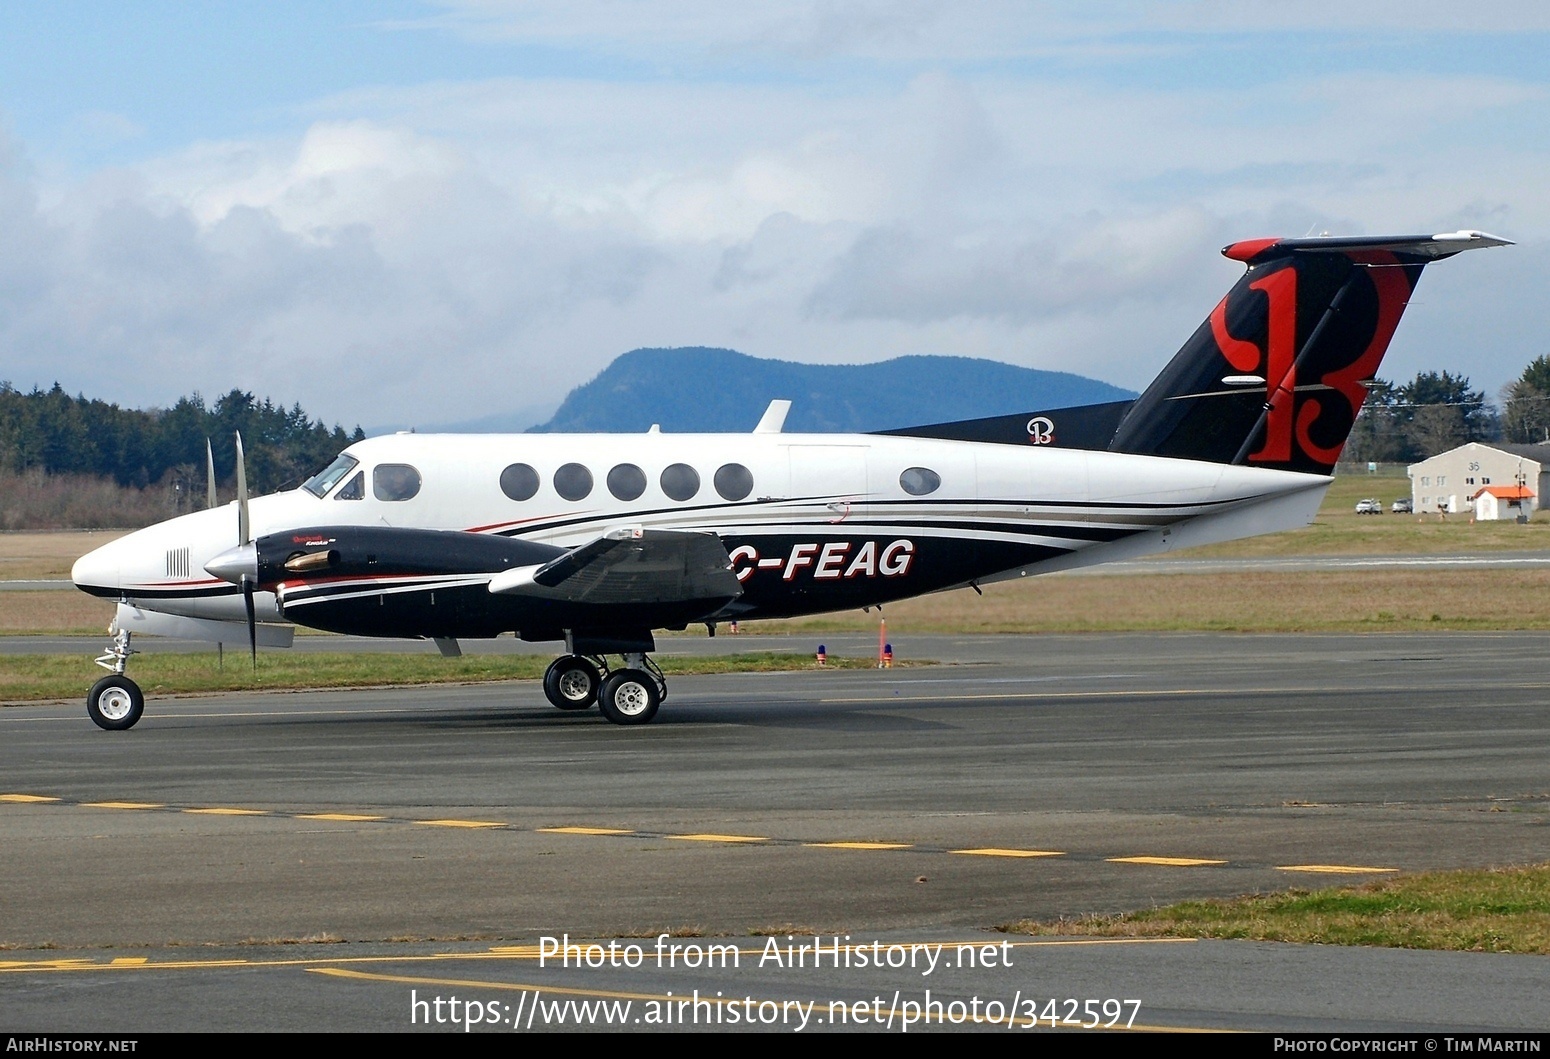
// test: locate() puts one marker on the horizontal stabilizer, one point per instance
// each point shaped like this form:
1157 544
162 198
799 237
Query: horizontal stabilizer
1427 247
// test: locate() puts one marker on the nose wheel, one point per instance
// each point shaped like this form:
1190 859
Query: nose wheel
115 702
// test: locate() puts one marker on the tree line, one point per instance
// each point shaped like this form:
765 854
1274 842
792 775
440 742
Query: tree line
50 432
156 457
1437 411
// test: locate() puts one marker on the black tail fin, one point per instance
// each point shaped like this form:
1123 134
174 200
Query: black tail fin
1276 374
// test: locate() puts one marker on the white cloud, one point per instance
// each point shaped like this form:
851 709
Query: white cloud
448 250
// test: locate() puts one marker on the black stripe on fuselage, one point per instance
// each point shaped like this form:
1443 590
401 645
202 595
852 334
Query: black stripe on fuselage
130 592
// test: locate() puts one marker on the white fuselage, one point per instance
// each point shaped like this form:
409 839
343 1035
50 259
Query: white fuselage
1080 507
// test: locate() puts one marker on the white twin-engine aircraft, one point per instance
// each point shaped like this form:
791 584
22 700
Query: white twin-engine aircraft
597 540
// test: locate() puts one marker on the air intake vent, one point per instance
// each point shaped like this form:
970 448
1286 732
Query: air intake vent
177 562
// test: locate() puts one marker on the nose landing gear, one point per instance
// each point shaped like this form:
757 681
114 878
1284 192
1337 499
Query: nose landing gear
115 702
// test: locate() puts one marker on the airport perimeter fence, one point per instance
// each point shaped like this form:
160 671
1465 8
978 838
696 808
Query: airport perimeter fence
1373 470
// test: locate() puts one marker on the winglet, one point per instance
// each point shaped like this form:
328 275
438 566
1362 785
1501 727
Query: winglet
774 418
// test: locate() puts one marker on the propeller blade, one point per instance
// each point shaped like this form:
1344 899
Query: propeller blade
242 495
209 474
247 602
244 536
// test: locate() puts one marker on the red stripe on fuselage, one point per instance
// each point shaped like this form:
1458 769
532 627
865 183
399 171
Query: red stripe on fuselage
179 583
503 525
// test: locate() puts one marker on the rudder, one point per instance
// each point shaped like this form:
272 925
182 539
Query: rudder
1276 374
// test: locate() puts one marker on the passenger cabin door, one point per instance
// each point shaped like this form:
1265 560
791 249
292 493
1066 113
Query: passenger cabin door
831 478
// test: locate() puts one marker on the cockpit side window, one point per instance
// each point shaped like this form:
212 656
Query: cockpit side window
354 489
319 484
394 481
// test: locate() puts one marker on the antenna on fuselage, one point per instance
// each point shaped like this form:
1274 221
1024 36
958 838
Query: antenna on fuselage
774 418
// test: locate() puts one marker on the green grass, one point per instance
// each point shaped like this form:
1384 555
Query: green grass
32 678
1486 910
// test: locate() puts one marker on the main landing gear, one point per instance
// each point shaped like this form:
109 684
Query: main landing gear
115 702
624 696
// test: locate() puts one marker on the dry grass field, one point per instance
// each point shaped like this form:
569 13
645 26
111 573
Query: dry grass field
1345 601
30 613
47 556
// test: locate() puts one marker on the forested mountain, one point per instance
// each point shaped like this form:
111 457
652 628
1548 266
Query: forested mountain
702 389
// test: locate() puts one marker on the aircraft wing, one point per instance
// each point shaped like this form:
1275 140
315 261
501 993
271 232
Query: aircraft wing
630 566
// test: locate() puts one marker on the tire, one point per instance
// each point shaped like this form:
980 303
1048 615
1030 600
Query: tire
571 682
629 696
115 703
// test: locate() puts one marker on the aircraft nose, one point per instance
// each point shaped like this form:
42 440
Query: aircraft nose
97 572
234 564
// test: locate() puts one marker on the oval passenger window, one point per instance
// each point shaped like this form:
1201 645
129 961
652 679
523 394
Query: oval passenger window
680 481
734 481
394 481
626 481
519 482
918 481
573 481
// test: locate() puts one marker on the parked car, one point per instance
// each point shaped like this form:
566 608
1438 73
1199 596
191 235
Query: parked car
1370 506
1402 506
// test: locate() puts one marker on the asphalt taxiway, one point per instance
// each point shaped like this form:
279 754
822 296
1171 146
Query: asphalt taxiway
1023 777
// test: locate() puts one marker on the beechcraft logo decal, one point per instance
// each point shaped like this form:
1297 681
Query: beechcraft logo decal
1041 430
1292 419
1280 287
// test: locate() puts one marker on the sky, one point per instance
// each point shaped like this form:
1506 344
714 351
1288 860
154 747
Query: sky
415 212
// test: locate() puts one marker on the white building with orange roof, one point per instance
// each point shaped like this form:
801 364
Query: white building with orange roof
1495 502
1451 481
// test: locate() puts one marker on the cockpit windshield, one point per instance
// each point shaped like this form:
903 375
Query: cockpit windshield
329 476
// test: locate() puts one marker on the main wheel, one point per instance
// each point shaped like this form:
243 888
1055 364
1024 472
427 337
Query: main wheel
571 682
629 696
115 703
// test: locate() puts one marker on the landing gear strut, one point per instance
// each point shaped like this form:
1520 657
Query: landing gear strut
115 702
630 695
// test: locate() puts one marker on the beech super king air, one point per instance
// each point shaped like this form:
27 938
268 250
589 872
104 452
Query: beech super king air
598 540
